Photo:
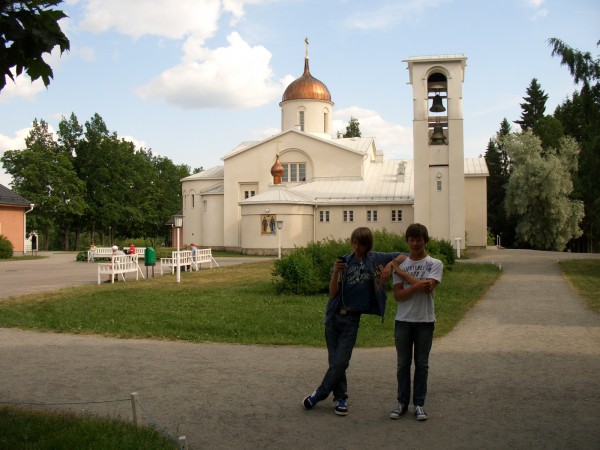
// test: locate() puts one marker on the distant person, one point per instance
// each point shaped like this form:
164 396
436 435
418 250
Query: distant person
357 286
92 253
415 319
131 250
115 252
194 249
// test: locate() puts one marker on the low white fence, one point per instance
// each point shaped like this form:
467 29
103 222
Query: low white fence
119 265
106 252
188 259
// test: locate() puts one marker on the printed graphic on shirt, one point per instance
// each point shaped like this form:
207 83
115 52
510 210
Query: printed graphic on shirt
420 270
357 273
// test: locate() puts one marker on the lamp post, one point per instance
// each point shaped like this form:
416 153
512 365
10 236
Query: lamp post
279 227
457 240
178 222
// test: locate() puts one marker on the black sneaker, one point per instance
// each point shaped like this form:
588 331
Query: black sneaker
420 413
309 401
398 411
341 407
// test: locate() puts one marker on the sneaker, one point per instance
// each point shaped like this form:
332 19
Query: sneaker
309 401
398 411
420 413
341 407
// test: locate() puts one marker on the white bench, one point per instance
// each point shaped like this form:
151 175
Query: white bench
119 265
204 255
106 252
139 251
187 259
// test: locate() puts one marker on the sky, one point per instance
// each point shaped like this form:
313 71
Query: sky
192 79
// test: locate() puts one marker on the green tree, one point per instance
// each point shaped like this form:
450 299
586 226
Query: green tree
580 116
353 128
498 164
549 130
539 191
45 175
534 106
28 29
131 192
69 138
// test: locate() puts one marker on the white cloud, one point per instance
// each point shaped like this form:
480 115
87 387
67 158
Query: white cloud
393 139
540 11
391 14
87 54
21 88
136 18
14 143
137 143
237 76
11 143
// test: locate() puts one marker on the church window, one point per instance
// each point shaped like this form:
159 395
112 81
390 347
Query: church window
372 215
248 194
396 215
324 216
348 216
294 172
301 120
204 205
439 185
193 201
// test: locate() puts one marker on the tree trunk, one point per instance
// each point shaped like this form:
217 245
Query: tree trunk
66 235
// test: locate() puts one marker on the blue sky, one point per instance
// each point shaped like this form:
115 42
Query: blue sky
191 79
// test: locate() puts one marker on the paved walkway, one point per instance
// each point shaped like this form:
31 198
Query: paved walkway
520 371
60 270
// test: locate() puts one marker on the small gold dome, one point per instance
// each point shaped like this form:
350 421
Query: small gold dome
277 171
306 87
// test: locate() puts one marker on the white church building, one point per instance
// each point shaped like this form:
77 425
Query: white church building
306 184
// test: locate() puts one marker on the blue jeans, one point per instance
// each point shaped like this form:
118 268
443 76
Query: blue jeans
340 335
417 336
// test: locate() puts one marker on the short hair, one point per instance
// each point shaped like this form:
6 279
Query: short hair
416 230
363 236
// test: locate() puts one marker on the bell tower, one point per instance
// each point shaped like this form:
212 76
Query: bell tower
438 144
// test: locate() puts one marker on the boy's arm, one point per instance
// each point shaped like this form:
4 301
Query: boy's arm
408 277
389 267
334 282
402 293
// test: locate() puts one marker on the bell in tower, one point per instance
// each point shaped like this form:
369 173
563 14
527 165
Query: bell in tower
437 85
437 105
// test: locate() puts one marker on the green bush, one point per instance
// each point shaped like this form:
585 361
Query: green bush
442 250
6 248
307 270
385 241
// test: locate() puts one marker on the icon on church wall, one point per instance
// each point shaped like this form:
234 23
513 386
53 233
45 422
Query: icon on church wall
267 223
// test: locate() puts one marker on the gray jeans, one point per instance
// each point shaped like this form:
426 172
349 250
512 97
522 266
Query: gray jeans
413 338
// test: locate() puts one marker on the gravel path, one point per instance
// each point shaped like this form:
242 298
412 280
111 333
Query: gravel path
521 371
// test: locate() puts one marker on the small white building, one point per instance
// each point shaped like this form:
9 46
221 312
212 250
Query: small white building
321 186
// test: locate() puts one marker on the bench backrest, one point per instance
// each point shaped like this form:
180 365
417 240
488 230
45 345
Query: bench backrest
123 261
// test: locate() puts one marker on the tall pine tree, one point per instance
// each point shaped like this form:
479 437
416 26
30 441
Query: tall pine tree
534 106
498 164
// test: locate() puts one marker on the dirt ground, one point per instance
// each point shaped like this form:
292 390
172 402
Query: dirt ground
522 370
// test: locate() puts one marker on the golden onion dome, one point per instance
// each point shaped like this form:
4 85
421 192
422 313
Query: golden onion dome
306 87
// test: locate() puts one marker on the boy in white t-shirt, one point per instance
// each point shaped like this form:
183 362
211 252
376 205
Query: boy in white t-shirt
415 319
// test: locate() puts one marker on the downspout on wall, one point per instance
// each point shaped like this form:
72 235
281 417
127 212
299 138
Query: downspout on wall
31 206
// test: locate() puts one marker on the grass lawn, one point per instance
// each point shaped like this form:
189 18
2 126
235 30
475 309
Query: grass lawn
25 429
231 304
584 277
